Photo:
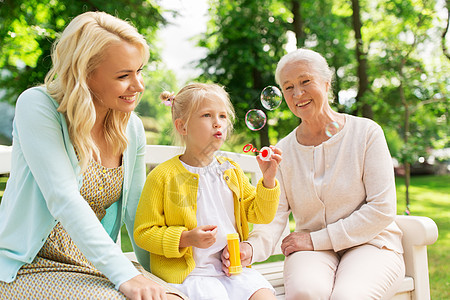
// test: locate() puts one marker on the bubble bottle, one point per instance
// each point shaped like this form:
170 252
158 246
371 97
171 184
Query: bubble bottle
235 255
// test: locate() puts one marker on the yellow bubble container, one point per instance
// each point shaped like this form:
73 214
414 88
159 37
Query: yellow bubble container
235 255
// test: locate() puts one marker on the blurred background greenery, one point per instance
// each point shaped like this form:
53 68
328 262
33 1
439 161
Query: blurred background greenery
391 60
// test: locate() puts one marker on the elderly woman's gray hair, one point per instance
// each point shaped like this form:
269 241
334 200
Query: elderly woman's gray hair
316 61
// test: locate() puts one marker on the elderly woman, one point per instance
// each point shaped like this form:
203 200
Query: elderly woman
337 179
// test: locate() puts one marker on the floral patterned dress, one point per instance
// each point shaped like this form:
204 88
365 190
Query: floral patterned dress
60 270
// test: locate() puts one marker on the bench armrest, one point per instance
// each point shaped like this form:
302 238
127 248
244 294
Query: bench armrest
418 232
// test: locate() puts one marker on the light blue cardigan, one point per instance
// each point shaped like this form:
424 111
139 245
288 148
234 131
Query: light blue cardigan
43 189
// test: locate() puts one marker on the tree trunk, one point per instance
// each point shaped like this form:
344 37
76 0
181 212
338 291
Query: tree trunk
406 163
361 58
257 85
298 23
444 47
264 137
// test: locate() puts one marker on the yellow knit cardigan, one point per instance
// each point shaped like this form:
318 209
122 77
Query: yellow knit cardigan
168 205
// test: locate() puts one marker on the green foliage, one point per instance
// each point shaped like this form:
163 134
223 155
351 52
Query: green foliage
3 180
409 87
156 116
328 29
396 35
29 27
244 40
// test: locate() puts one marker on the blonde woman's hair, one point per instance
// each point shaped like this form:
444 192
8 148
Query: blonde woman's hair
190 98
75 55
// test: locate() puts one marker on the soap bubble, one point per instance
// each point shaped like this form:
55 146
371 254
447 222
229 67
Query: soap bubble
271 97
255 119
331 128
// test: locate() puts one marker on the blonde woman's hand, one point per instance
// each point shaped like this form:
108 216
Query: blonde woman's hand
142 288
269 168
200 237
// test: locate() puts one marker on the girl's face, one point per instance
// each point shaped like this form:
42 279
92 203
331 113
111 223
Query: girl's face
305 92
117 81
206 130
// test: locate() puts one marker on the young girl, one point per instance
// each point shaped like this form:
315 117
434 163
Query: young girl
192 201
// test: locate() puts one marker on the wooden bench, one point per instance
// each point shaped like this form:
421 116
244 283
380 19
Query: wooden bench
418 232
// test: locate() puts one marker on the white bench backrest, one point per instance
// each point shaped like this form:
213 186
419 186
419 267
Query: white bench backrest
5 159
156 154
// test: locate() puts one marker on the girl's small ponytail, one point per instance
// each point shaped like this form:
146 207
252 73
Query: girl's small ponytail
167 98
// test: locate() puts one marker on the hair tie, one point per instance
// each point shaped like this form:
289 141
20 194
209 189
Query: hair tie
169 100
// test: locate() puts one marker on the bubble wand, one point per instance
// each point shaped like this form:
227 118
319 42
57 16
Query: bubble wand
265 153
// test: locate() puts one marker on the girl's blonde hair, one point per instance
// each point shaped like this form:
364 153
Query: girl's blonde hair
190 98
75 55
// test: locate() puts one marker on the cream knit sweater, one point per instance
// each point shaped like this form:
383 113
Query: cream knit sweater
358 203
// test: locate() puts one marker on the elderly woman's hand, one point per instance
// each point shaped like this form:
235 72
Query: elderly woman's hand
296 241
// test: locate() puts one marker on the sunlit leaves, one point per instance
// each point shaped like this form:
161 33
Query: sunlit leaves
29 27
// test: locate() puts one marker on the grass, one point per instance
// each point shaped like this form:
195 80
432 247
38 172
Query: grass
3 180
429 196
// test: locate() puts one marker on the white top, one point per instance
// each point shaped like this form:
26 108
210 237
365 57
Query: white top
319 168
356 202
214 207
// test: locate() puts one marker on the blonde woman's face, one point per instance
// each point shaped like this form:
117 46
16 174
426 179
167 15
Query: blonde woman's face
117 81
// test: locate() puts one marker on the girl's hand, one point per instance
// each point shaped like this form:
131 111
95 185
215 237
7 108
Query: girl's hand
200 237
246 252
141 288
296 241
269 168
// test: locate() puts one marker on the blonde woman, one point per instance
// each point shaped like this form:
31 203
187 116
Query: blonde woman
78 171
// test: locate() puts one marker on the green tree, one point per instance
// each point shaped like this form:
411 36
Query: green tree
155 115
245 40
361 57
445 31
326 27
29 27
413 89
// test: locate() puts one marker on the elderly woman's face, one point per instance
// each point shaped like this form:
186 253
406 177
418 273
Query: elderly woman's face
117 81
304 90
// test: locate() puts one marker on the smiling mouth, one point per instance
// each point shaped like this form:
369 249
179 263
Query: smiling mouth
128 98
303 103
